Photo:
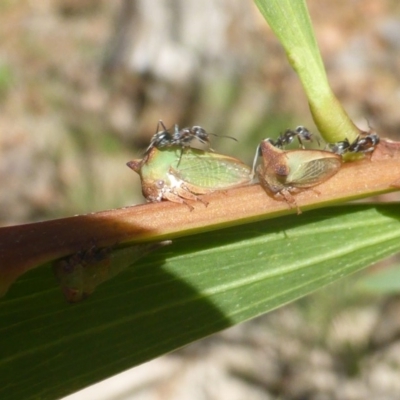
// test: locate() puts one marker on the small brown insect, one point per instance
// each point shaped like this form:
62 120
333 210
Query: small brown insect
81 273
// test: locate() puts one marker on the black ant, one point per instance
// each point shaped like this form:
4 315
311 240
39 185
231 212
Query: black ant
285 138
362 144
180 137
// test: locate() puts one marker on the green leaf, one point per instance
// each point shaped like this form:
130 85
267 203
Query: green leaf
290 21
199 285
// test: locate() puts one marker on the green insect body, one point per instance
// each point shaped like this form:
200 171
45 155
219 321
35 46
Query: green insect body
285 172
177 175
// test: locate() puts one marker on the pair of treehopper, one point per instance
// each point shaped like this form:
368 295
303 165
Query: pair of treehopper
173 170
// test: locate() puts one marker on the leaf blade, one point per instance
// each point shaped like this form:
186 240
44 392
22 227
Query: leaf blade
197 286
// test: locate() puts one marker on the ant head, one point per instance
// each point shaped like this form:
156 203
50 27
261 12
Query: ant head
373 138
303 133
199 132
195 132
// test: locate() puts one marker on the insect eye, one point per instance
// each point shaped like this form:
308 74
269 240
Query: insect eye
160 184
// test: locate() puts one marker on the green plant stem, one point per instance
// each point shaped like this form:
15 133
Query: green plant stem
290 21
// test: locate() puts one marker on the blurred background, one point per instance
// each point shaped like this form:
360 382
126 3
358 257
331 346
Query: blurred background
83 84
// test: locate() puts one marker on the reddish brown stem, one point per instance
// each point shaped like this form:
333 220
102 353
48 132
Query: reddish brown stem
25 247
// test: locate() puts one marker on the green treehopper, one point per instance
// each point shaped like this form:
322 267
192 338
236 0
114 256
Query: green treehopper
177 174
284 172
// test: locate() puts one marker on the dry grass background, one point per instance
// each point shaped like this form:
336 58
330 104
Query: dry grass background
82 86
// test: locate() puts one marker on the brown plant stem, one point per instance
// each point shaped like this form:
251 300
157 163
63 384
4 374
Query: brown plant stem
24 247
